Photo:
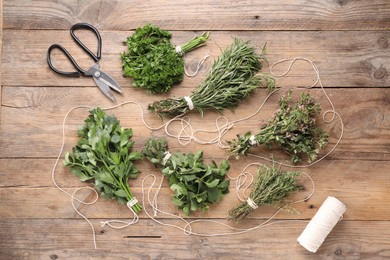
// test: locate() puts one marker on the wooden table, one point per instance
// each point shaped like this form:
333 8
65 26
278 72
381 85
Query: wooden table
349 42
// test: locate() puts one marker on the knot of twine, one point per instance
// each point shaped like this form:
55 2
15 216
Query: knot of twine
252 140
179 50
251 203
131 203
189 102
167 155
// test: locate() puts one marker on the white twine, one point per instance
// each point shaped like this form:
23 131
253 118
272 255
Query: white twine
198 66
167 155
179 50
252 140
251 203
130 205
326 218
189 102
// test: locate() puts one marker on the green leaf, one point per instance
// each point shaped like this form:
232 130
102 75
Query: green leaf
107 178
177 189
115 138
214 195
213 183
121 193
186 210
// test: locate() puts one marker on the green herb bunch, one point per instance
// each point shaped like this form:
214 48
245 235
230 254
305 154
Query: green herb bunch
152 61
293 128
271 186
195 184
232 78
103 156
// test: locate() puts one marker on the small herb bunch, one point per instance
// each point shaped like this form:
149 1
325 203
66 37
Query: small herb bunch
153 62
232 78
293 128
195 184
270 187
103 155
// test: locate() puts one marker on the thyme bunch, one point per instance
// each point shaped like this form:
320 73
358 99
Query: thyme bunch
293 128
195 184
152 61
271 186
233 77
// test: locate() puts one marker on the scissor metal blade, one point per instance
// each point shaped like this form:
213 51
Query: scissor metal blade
105 89
110 82
95 72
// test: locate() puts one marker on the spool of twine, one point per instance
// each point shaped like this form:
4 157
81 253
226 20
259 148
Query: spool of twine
327 216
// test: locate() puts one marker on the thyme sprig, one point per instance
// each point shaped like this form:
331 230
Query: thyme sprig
293 128
233 76
196 185
152 61
271 186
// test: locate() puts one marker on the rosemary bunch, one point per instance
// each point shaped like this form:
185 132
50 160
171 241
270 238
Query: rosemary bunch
270 187
232 78
152 61
196 185
293 128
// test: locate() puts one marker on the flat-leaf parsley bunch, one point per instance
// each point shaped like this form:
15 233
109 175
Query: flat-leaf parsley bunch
196 185
233 76
153 62
293 128
103 156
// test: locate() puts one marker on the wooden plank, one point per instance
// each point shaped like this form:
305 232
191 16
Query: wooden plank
26 191
345 59
32 120
72 239
1 52
200 15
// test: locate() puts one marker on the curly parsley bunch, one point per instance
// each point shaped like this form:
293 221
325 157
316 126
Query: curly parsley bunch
153 62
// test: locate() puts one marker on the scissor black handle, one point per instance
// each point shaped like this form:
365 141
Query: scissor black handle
87 26
70 58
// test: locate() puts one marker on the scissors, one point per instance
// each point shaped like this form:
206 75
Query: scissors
102 79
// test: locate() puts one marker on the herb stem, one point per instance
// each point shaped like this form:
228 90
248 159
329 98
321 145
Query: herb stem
196 42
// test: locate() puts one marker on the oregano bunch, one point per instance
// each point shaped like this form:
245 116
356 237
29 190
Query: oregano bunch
293 129
195 184
153 62
103 155
271 186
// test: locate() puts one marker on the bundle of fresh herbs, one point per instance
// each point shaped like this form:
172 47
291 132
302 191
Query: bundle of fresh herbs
195 184
103 156
153 62
293 128
232 78
271 186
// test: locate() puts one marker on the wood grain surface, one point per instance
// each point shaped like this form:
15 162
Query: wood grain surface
347 40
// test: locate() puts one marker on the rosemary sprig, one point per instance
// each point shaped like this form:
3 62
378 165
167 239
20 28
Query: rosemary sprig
293 128
232 78
270 187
